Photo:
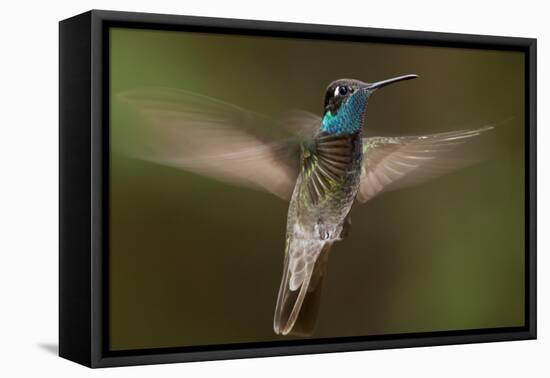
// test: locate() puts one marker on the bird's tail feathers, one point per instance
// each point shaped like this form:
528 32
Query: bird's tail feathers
300 291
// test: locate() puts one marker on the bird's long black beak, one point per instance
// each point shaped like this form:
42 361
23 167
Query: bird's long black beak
383 83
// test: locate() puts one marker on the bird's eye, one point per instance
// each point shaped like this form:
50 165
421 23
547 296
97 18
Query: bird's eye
343 90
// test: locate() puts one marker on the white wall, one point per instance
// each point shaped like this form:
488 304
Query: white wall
28 207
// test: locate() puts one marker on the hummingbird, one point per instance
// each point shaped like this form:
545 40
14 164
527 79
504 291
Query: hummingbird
323 165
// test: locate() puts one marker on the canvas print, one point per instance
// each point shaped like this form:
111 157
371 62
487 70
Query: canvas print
267 188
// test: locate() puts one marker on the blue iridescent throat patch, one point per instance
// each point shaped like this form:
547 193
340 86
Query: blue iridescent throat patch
349 117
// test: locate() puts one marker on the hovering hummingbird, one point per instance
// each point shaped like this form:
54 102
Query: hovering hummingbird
323 165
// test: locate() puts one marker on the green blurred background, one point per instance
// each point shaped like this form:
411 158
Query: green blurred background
197 262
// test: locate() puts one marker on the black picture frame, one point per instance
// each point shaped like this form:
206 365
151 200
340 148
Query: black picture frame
84 200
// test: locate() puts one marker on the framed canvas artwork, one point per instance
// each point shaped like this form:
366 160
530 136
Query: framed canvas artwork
233 188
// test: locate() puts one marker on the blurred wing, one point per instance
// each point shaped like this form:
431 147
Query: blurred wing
214 139
303 123
396 162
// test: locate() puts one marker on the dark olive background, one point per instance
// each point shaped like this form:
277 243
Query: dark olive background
196 262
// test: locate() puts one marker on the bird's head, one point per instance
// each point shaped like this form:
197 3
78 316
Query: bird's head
346 101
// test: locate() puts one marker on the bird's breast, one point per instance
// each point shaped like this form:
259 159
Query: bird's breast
327 185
